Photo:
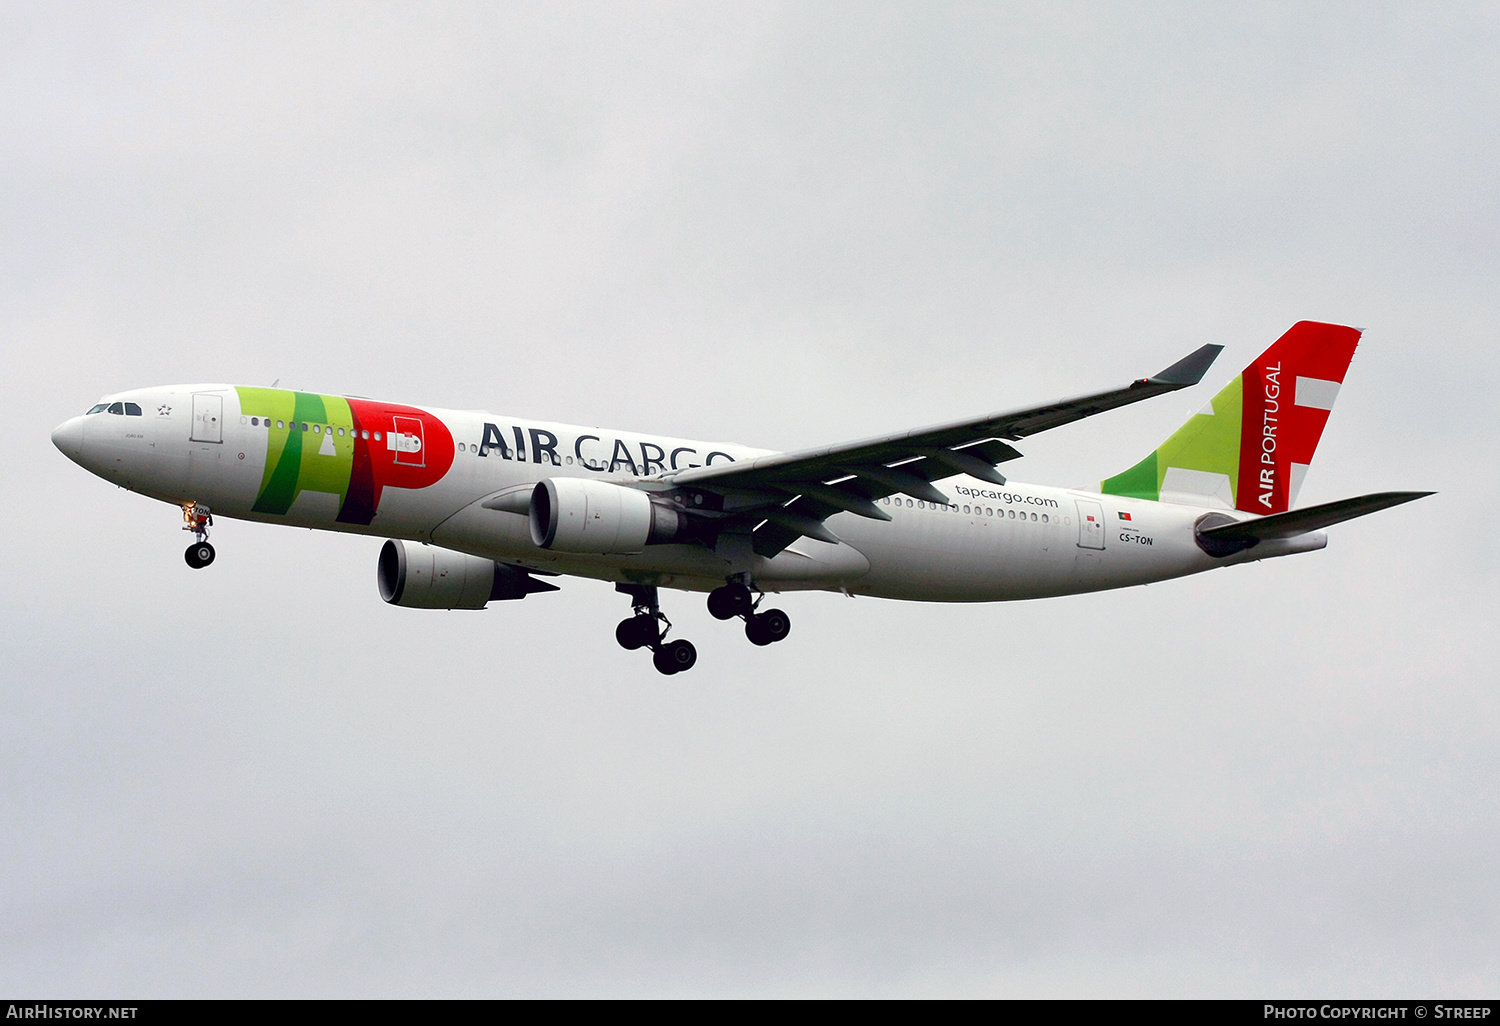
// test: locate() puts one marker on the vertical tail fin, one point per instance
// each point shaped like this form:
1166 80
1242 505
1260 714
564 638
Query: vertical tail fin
1251 446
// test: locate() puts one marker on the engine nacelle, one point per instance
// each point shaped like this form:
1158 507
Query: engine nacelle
428 577
573 514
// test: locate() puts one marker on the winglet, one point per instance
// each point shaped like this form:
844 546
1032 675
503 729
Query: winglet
1189 370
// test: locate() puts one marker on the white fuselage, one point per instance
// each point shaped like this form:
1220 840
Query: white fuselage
994 543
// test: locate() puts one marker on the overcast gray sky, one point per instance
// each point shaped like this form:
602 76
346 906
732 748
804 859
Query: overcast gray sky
780 225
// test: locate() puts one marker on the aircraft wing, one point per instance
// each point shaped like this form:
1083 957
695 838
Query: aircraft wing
787 495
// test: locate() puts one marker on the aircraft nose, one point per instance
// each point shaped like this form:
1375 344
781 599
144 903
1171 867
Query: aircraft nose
68 437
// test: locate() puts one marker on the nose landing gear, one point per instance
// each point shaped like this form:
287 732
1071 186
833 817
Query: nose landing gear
735 599
198 519
648 627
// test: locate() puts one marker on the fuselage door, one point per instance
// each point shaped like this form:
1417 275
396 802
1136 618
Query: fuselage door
1090 525
406 440
208 417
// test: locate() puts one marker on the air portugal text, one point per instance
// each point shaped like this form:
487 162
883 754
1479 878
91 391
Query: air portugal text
592 452
1268 433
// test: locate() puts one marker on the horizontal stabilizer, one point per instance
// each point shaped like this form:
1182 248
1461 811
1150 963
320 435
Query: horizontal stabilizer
1313 518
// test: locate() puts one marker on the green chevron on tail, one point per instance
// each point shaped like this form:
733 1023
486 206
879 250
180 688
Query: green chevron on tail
1209 443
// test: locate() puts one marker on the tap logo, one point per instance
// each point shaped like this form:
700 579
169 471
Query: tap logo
352 448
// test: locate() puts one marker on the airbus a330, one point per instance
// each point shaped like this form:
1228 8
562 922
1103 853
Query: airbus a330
478 508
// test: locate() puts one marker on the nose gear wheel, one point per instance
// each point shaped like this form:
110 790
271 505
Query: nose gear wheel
199 555
197 519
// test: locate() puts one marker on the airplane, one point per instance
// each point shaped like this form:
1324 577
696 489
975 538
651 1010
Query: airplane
478 508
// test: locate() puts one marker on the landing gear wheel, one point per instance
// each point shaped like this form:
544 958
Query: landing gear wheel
675 657
199 555
729 601
637 632
768 628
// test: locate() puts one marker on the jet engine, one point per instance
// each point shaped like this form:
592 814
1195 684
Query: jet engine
427 577
571 514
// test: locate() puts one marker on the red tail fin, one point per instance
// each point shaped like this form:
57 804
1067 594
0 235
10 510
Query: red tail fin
1251 446
1288 394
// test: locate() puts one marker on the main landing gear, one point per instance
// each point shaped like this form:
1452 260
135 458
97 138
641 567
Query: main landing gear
196 518
736 599
648 629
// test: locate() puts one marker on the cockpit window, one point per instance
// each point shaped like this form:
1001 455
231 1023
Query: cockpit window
97 409
117 408
132 410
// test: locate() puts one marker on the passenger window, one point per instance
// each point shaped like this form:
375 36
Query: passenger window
304 425
116 408
462 447
377 436
280 424
255 422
